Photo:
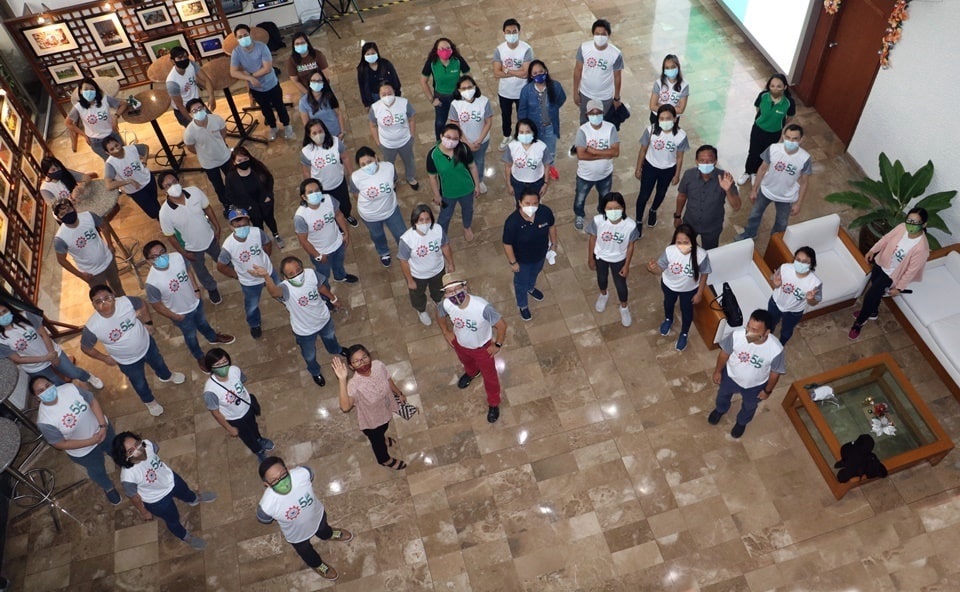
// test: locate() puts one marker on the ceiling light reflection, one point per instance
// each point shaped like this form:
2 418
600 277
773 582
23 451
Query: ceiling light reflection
322 412
522 436
335 487
611 410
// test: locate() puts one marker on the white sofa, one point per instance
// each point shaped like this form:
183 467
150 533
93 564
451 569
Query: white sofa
932 311
748 275
840 265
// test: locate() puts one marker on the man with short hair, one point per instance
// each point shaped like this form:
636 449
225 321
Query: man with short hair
701 195
246 247
598 70
251 61
597 144
81 235
126 169
511 61
205 136
750 363
183 84
291 501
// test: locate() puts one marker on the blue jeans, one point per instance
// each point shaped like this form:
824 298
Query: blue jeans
64 367
93 461
549 137
251 300
686 306
308 346
480 158
440 113
379 236
790 321
166 508
192 322
137 374
335 263
756 215
583 188
447 206
748 407
525 280
519 187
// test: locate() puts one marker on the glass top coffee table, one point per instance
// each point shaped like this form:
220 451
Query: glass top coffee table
870 393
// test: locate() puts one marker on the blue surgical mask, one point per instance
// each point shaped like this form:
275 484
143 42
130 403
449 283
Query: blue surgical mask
369 168
371 58
316 86
671 73
540 78
6 319
49 395
801 267
200 115
525 138
666 125
245 41
242 232
300 48
790 146
162 262
89 95
512 37
596 119
314 198
707 168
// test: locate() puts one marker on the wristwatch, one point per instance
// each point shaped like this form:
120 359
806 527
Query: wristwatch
498 344
676 216
318 258
617 99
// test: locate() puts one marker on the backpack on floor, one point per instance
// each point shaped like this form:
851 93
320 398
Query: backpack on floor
276 40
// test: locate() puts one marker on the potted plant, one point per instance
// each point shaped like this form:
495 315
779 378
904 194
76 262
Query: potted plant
888 198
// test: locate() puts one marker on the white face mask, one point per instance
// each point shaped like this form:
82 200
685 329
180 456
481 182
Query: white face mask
600 40
468 93
511 37
175 190
423 228
388 100
614 215
317 138
530 210
666 125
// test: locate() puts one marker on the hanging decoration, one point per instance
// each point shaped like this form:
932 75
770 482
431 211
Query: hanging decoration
831 6
892 34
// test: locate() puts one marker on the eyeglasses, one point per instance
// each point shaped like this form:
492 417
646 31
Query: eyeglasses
278 479
362 359
197 110
141 445
909 221
103 299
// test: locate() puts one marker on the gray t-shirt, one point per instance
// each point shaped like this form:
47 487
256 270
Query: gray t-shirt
253 60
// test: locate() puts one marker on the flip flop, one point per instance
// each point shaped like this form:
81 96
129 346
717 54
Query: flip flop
395 464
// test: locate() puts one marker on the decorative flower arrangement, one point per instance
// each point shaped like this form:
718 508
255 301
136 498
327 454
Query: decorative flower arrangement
831 6
880 409
892 34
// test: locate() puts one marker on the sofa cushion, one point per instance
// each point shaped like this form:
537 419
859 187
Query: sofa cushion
750 294
934 298
731 260
818 233
946 333
842 277
953 264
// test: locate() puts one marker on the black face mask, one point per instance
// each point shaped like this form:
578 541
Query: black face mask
69 218
182 64
56 175
244 165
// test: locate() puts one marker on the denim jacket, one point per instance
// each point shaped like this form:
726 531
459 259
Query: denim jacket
529 106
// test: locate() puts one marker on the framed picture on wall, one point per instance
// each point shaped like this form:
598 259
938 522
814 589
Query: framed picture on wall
50 39
6 156
25 256
27 207
64 73
36 150
108 70
210 46
192 9
154 17
30 174
4 191
11 121
4 232
157 48
108 33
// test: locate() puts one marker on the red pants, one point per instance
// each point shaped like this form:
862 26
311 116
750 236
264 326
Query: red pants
478 359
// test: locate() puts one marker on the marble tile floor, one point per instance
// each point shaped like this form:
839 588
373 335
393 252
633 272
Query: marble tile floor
602 473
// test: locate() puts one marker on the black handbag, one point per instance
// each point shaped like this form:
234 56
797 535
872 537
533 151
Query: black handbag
253 403
727 302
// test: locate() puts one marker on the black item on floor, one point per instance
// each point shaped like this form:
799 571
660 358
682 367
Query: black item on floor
276 39
617 115
857 460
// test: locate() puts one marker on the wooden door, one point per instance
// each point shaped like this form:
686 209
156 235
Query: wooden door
849 63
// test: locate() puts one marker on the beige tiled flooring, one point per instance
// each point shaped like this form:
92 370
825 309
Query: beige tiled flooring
602 473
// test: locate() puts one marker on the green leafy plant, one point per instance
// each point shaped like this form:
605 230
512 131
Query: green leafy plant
888 198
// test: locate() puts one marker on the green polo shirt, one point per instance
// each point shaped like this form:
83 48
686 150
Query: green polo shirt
454 177
445 77
771 116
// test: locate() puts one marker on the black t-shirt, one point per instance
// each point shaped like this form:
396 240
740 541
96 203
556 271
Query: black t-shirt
529 239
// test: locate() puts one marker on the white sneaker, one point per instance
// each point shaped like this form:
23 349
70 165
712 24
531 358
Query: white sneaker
483 187
288 132
601 302
505 142
424 318
272 135
743 179
175 378
95 382
625 319
155 409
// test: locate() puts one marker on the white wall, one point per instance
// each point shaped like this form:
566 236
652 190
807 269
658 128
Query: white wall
912 112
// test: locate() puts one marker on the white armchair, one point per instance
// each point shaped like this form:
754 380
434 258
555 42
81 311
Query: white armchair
740 265
840 265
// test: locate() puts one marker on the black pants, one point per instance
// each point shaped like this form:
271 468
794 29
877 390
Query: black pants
216 177
650 177
418 297
440 114
248 431
620 283
262 213
759 141
686 306
342 195
306 551
506 114
378 441
879 282
146 198
270 101
182 118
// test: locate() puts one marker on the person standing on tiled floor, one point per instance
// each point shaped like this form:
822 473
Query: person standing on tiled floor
701 195
597 74
511 63
597 144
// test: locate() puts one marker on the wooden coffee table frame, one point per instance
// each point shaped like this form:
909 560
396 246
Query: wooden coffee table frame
798 398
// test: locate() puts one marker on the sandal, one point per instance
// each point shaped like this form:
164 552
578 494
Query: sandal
395 463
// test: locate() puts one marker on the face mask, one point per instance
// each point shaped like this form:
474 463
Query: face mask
175 190
314 198
388 100
317 139
600 40
221 371
242 232
468 93
369 168
283 486
529 210
753 337
448 143
801 267
671 73
614 215
423 228
316 86
595 119
511 37
790 146
706 169
162 262
685 249
914 228
6 319
49 395
55 175
200 115
371 58
525 139
300 48
666 125
245 41
89 95
540 78
182 64
296 280
458 298
70 218
445 53
365 369
244 165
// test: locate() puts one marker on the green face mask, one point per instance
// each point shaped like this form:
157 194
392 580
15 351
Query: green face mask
914 228
221 371
283 486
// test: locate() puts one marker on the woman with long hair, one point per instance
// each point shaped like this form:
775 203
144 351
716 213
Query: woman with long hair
424 255
305 61
59 182
454 178
613 235
775 106
439 76
321 158
683 270
92 112
540 95
321 103
472 112
250 187
660 161
794 287
372 70
669 89
26 343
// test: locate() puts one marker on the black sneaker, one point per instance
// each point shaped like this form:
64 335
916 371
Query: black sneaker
348 279
215 297
573 150
256 332
344 352
714 417
466 379
493 414
525 314
737 430
415 186
385 260
652 218
352 221
536 294
320 380
113 497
